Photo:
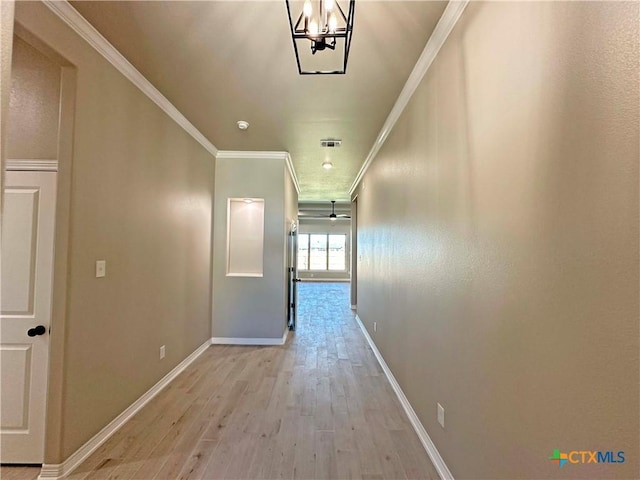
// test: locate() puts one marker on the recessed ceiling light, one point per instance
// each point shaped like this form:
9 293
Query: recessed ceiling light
327 164
242 125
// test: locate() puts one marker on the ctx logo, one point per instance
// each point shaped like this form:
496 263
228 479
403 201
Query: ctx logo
586 456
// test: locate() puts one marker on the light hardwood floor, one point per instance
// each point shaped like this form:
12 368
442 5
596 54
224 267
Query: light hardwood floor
319 407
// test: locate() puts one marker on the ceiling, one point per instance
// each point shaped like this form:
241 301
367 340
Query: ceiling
223 61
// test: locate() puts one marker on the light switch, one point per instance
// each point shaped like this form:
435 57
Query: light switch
101 268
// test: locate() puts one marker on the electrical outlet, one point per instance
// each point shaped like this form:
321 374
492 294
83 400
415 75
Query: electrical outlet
375 326
441 415
101 268
162 352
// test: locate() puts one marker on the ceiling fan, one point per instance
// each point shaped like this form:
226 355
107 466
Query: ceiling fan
332 216
312 211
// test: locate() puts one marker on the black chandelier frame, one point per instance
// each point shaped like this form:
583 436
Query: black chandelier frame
323 39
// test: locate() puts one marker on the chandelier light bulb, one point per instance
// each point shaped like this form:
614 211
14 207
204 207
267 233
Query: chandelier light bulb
313 27
333 23
328 5
307 9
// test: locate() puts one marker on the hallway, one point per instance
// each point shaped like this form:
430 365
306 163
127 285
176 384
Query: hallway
318 408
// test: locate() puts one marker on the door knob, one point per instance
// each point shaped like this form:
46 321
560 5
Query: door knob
39 330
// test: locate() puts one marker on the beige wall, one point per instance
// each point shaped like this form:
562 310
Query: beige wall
141 199
246 307
290 202
354 253
498 229
35 104
6 47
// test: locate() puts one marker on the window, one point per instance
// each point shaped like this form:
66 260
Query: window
317 252
337 252
322 251
303 251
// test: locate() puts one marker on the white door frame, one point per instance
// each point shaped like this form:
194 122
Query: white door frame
53 453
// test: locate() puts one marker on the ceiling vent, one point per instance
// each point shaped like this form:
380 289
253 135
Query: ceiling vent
330 143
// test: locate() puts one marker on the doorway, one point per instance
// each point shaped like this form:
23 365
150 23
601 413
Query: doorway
33 273
25 312
292 277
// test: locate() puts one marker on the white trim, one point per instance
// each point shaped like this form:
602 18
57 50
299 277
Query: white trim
250 341
354 307
292 172
82 27
427 443
304 279
52 471
449 18
61 470
27 164
238 154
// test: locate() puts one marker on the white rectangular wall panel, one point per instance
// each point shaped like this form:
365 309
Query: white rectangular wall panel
19 250
15 360
245 237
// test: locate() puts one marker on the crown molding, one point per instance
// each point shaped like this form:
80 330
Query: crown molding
259 155
70 16
292 172
25 164
445 25
263 155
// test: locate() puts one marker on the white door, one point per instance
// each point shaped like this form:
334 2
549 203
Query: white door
26 269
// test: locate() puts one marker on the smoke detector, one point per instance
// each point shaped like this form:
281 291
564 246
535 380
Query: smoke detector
330 143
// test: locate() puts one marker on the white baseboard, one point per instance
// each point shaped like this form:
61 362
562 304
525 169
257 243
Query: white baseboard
61 470
427 443
327 280
250 340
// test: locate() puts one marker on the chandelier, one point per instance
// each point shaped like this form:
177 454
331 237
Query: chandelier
324 24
